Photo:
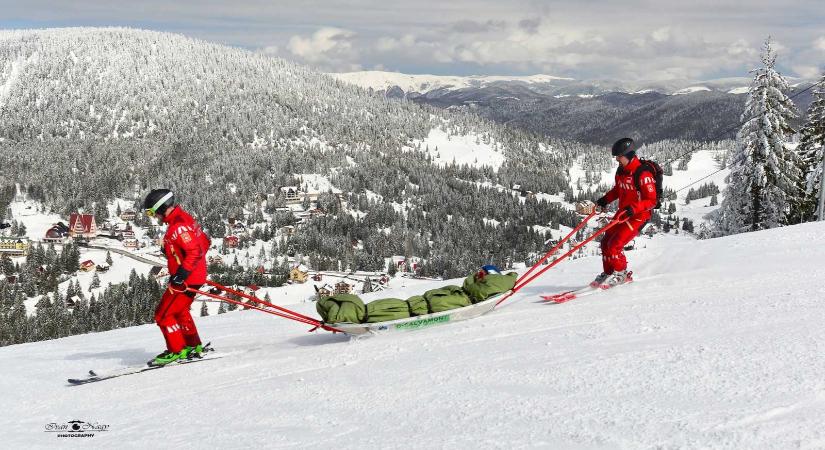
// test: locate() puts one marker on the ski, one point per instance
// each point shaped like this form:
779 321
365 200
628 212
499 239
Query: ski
93 377
566 296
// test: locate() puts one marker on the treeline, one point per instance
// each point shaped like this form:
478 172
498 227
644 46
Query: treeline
120 305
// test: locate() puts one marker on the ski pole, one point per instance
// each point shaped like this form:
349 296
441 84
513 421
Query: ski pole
557 246
618 220
561 258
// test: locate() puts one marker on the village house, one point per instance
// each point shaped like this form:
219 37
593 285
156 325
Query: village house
291 193
72 302
249 290
342 287
131 243
82 226
238 229
299 274
57 233
127 215
324 291
230 241
14 246
128 232
88 266
403 264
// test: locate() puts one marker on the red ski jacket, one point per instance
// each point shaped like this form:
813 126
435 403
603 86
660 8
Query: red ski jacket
185 244
625 191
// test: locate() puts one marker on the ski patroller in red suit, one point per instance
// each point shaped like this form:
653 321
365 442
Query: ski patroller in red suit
633 203
638 204
185 245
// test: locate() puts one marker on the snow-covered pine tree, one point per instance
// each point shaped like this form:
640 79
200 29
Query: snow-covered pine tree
95 283
765 179
810 150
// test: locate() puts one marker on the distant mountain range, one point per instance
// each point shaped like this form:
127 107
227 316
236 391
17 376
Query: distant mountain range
595 111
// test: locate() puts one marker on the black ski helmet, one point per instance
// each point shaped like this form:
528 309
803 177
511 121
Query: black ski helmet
158 201
622 147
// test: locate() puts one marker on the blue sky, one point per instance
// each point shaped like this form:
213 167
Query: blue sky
584 39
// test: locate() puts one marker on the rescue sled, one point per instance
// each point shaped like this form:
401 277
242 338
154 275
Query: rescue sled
423 321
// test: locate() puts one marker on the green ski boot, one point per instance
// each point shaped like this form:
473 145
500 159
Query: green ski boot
194 352
168 357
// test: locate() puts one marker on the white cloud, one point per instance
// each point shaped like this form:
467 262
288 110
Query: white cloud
661 35
328 47
387 44
271 50
552 47
595 38
806 71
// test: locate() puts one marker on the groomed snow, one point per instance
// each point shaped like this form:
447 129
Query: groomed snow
718 344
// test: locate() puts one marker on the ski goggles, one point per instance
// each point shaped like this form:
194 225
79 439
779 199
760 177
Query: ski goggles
153 211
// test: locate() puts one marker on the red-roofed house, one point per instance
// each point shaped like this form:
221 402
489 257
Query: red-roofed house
230 241
82 225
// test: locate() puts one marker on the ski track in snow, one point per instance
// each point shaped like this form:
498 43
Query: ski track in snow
717 344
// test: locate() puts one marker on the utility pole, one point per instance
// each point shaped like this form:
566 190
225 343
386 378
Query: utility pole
821 186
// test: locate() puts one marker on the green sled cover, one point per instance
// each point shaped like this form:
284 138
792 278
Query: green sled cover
446 298
387 309
418 305
492 284
341 308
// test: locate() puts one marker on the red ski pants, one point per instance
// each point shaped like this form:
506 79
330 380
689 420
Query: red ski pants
175 322
613 243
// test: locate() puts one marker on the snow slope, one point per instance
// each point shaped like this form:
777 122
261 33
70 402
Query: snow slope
467 149
717 345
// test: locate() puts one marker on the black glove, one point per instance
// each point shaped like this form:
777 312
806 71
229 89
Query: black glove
179 277
628 212
4 225
601 202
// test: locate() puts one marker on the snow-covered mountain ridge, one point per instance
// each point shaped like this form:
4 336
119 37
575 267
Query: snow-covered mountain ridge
379 80
423 84
716 345
594 111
